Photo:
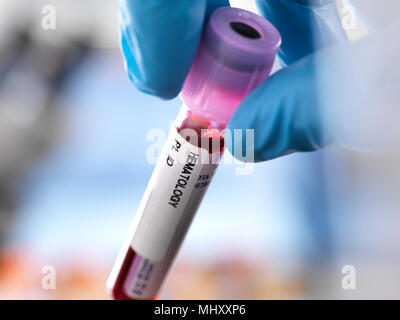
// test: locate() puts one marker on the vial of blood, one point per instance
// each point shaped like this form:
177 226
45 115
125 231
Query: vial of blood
235 54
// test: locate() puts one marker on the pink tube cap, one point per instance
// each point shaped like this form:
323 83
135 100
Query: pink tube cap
236 53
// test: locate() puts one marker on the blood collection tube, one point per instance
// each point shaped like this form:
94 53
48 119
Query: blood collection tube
235 54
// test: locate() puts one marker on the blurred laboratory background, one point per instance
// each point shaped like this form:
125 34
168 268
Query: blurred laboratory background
73 168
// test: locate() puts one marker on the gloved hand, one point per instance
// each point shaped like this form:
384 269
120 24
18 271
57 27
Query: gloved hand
300 108
347 94
159 40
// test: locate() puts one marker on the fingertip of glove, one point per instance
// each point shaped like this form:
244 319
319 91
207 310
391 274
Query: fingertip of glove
246 150
262 112
154 89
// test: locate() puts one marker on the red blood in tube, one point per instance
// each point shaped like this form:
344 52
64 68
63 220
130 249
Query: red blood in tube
117 291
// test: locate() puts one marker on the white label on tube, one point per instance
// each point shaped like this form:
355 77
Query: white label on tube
172 184
145 277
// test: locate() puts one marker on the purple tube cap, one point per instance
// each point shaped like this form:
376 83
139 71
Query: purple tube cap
236 53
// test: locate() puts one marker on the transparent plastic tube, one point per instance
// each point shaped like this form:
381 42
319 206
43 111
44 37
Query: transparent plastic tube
235 54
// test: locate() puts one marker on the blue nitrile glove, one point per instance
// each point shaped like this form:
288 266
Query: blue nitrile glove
346 94
159 40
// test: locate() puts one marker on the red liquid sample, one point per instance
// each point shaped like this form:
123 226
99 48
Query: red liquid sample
117 292
210 138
